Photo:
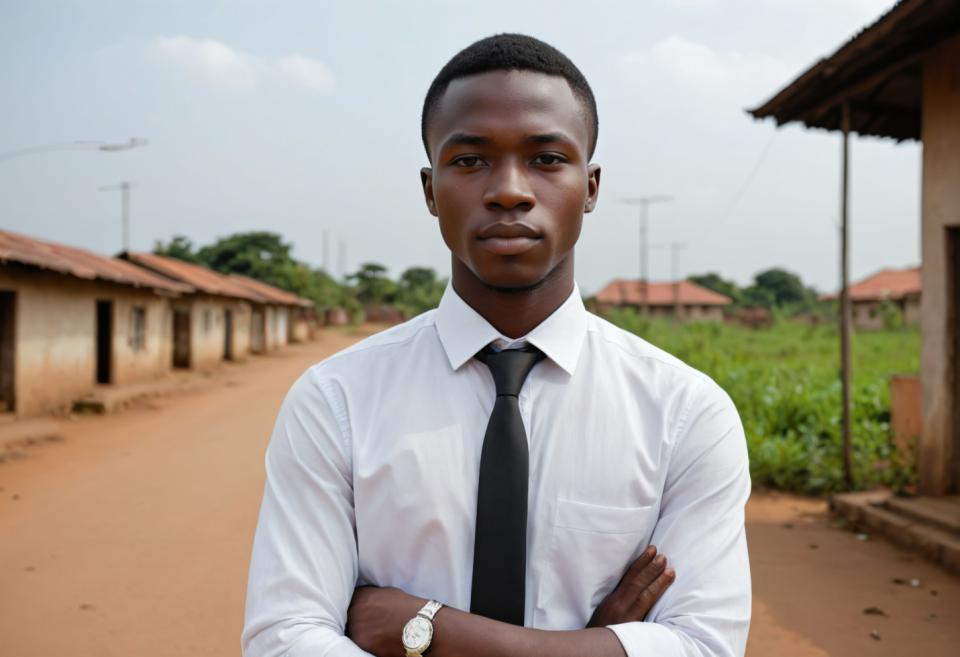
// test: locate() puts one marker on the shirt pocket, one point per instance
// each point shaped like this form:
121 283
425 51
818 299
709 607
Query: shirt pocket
590 548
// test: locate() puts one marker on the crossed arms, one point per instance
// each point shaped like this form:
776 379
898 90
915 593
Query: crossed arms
304 568
376 617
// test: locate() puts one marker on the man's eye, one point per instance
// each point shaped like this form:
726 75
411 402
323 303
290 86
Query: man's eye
547 159
468 161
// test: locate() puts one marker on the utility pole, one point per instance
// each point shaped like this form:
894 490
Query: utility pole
342 264
644 202
675 248
846 313
124 187
326 251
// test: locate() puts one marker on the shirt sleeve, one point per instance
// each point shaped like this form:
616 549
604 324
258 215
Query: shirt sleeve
706 612
304 564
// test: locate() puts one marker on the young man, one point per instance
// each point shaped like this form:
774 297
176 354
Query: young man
486 472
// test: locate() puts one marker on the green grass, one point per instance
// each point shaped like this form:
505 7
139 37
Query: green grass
785 381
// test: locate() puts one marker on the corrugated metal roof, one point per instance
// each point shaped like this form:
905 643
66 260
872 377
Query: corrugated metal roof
201 278
621 291
885 284
275 294
80 263
878 73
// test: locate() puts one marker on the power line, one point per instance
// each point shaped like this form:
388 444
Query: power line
724 215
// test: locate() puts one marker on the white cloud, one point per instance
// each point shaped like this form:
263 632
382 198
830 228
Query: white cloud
213 62
311 73
207 60
675 68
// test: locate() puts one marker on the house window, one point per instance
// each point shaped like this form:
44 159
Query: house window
138 328
206 321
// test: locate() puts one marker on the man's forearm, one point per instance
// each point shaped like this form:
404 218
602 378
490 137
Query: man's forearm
461 634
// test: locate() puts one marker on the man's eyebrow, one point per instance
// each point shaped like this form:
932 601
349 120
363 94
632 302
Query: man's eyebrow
462 138
550 138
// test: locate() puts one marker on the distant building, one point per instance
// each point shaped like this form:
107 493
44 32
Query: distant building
213 323
291 316
899 287
71 319
684 300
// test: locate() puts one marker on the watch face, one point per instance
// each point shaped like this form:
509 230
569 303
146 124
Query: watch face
417 634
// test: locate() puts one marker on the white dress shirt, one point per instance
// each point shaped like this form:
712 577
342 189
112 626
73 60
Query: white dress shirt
373 466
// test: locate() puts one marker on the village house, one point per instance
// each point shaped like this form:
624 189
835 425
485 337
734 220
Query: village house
216 322
895 288
71 320
291 316
683 300
900 78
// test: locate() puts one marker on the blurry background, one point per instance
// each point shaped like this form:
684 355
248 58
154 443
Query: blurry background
303 117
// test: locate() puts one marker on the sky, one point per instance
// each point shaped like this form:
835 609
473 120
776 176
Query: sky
302 118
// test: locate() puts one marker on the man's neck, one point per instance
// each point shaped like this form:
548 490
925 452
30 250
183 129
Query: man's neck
514 313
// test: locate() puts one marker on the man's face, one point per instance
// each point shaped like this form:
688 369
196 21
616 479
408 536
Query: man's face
510 179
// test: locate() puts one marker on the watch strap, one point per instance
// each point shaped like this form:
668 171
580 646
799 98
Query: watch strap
430 610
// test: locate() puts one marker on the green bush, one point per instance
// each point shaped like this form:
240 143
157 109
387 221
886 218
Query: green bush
785 383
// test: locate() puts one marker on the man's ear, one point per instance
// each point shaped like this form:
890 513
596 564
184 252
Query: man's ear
593 187
426 178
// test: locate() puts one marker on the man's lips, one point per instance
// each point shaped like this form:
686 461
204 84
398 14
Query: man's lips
508 238
511 229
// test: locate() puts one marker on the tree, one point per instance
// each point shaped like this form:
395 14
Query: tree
779 288
713 281
179 247
372 285
261 255
419 290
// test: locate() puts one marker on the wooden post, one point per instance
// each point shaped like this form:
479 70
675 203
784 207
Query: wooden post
644 256
845 309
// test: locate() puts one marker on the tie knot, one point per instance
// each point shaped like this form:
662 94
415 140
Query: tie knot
510 367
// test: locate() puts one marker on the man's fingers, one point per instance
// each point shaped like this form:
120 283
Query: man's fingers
649 596
645 576
637 566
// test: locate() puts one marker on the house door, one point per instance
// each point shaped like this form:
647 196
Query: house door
258 327
8 306
181 338
228 334
104 341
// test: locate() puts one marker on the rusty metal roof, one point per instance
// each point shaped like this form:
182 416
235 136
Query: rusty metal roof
80 263
621 291
893 284
274 294
878 73
198 277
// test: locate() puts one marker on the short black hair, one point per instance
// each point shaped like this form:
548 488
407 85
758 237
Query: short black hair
511 52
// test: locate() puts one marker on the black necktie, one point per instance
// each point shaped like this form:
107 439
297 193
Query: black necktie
500 545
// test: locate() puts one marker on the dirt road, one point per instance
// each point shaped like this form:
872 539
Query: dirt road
130 538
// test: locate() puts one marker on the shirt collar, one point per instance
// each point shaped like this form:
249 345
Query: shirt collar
463 331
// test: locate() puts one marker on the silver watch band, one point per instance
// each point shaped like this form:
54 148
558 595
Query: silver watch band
430 610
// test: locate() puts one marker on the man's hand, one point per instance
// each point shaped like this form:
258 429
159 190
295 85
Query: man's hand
376 618
638 590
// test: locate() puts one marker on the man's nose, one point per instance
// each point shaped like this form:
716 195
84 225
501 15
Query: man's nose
508 188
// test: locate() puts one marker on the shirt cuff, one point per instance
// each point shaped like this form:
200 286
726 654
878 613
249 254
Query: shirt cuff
321 644
647 640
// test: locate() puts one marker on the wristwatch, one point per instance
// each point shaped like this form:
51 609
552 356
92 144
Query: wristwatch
418 632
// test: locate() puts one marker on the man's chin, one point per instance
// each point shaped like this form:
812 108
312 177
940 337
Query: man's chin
513 287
